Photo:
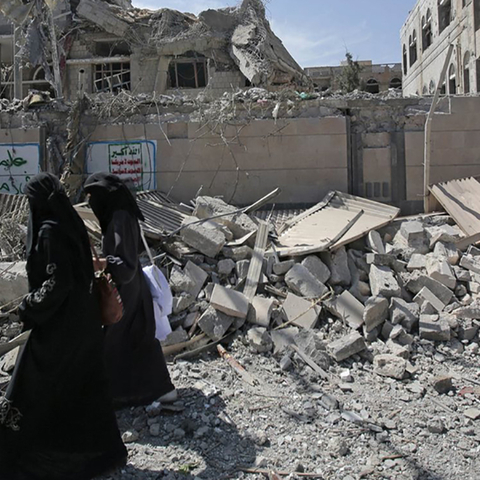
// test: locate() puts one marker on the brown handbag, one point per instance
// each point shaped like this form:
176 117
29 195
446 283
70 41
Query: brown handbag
111 305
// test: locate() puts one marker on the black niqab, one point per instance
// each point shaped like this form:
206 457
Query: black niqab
110 194
49 205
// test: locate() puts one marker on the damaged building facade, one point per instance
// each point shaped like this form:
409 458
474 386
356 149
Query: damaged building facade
105 47
430 28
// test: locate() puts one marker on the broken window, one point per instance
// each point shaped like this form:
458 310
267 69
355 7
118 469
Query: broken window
444 14
466 73
427 30
443 90
112 77
405 60
372 86
413 48
188 72
396 83
431 87
452 80
112 49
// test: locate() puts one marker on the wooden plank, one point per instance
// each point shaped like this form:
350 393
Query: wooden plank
255 269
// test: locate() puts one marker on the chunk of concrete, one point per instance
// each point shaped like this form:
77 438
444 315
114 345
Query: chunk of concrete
443 293
462 274
440 270
302 282
383 282
260 311
229 301
310 343
404 313
300 312
225 267
214 323
414 236
282 339
433 327
281 268
198 275
13 281
375 242
398 350
470 263
417 262
385 260
177 336
182 302
259 339
346 346
204 237
347 308
337 263
237 254
425 295
180 281
317 268
375 313
471 311
241 268
390 366
240 224
448 251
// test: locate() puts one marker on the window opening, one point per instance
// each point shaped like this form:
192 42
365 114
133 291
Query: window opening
444 14
466 73
452 80
372 86
188 73
405 64
427 30
396 83
413 48
112 77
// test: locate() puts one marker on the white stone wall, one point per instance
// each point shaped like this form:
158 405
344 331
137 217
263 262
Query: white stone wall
425 72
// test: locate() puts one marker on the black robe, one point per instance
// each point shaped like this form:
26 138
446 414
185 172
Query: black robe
135 363
57 419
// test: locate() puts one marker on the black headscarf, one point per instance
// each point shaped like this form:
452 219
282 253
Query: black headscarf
108 193
49 205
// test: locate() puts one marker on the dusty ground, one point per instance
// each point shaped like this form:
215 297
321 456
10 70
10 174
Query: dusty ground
382 429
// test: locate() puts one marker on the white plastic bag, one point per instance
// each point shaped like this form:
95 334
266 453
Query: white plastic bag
162 300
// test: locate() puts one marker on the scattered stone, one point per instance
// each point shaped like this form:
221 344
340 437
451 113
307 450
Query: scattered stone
442 384
204 237
177 336
130 436
317 268
260 311
347 308
436 426
259 339
282 339
375 243
238 254
462 274
472 413
337 263
303 283
281 268
179 281
375 312
425 295
439 269
432 327
404 313
383 282
398 350
215 323
346 346
225 267
198 276
229 301
301 312
443 293
390 366
417 262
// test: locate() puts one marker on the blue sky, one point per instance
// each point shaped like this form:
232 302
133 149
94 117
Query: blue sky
318 32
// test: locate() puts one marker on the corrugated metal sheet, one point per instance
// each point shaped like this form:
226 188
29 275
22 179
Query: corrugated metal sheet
13 205
461 199
278 217
337 220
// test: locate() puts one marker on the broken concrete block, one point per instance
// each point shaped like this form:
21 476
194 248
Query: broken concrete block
337 263
177 336
471 311
346 346
467 330
472 413
385 260
310 344
229 301
470 263
225 267
443 293
433 327
182 302
425 295
448 251
440 270
281 268
417 262
347 308
317 268
241 268
399 334
383 283
214 323
302 282
413 235
259 339
462 274
104 16
404 313
243 252
282 339
239 224
204 237
442 384
260 311
398 350
179 281
390 366
13 281
474 287
198 275
300 312
375 242
375 312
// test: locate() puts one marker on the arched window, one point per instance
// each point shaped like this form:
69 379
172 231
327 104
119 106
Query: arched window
431 87
372 86
396 83
444 14
39 74
413 48
466 73
427 30
405 60
452 80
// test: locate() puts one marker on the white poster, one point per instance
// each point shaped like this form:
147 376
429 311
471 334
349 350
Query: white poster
18 163
134 160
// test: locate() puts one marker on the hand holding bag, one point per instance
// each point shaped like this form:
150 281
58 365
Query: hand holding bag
111 305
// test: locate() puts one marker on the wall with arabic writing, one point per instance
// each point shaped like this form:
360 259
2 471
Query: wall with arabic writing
134 160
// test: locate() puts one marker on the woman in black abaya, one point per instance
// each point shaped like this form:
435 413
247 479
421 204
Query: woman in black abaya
135 363
57 420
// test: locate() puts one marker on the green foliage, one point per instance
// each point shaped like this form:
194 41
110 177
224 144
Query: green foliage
349 79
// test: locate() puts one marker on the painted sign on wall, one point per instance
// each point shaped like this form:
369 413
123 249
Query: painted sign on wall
18 163
132 160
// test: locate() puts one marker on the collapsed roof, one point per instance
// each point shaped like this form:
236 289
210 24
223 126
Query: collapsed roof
236 37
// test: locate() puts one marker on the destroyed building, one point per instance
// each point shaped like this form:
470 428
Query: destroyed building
105 47
375 78
430 28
